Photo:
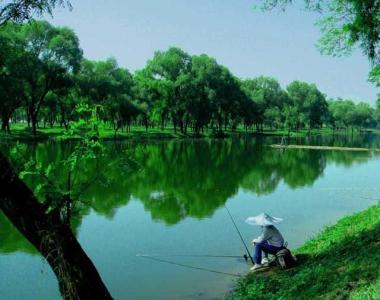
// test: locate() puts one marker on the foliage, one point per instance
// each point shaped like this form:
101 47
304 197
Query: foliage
329 265
48 58
60 184
344 25
11 86
310 104
24 10
45 81
345 113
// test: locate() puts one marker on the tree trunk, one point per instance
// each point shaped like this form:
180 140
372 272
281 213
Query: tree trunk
76 274
5 124
181 127
28 117
33 120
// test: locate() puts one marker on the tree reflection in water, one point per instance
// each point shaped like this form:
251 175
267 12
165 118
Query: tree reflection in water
179 179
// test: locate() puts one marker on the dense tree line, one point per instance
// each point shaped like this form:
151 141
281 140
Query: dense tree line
45 81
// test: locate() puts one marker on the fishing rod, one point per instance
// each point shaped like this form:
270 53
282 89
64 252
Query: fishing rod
241 237
190 266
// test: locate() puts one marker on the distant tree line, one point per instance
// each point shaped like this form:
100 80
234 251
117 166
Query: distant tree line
45 81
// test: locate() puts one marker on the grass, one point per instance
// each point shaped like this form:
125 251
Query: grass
341 263
22 133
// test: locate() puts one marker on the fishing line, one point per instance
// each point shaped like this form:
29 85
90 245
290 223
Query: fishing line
194 255
190 266
241 237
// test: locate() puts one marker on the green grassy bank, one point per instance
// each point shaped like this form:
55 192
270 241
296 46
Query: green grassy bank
22 133
343 262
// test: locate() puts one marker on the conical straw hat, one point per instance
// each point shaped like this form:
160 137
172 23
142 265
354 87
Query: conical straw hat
263 220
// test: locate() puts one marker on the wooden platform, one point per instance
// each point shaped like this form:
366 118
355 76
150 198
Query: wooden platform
278 146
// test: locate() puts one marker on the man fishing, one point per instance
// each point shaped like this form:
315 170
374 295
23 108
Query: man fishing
269 242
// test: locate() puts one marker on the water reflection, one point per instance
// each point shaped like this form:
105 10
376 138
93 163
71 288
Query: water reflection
179 179
363 140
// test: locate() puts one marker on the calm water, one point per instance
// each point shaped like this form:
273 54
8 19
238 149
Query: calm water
167 198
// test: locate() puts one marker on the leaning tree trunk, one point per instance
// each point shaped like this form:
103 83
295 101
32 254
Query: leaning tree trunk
76 274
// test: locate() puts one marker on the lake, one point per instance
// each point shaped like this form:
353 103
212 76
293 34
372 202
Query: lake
167 199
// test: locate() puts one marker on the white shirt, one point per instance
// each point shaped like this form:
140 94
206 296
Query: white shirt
272 236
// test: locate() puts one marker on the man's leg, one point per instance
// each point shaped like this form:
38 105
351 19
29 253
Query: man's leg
269 249
259 247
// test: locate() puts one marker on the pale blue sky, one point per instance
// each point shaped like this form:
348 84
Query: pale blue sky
248 42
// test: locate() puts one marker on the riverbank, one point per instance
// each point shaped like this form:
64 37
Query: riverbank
20 132
340 263
328 148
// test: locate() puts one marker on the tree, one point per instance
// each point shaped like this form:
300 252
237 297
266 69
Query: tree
50 110
291 118
105 84
23 10
99 80
51 55
270 99
121 111
317 107
53 238
254 93
374 75
364 116
227 100
342 112
310 104
11 86
249 112
344 25
197 91
67 103
160 77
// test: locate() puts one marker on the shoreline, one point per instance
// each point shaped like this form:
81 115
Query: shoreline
23 134
339 263
311 147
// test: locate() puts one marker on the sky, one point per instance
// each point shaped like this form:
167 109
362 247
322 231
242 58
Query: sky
249 42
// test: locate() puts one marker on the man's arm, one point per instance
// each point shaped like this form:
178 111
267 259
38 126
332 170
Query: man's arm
263 237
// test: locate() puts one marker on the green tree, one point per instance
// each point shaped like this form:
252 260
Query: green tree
54 239
160 78
205 91
270 99
111 88
22 10
151 96
344 24
342 112
51 56
374 75
310 104
50 110
11 86
99 80
227 100
364 116
249 112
